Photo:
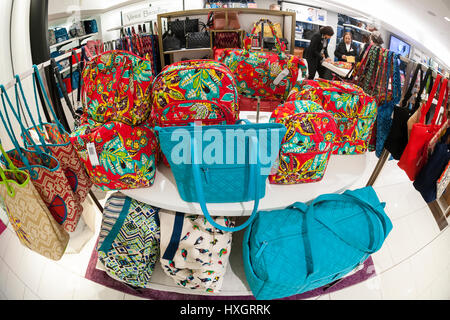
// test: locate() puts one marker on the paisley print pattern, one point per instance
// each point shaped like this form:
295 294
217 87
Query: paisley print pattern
127 155
117 87
307 145
354 111
256 71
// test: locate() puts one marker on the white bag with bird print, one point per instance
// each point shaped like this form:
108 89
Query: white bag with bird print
193 252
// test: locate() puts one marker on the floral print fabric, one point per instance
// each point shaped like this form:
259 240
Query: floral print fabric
307 145
117 87
353 110
126 154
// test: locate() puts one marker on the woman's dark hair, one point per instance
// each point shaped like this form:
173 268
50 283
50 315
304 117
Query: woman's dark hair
348 33
328 31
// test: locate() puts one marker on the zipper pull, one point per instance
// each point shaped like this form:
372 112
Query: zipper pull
260 251
206 174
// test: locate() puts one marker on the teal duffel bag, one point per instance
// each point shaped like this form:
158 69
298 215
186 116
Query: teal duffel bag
307 246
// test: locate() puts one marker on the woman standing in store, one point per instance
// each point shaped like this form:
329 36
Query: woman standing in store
346 48
317 52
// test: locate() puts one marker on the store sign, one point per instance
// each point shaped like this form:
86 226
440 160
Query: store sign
151 12
306 14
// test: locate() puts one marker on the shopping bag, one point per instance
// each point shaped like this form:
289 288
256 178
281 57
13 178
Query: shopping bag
55 141
45 172
29 216
234 168
413 159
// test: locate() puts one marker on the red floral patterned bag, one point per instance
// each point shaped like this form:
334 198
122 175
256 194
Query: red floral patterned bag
264 74
117 156
307 145
353 110
117 87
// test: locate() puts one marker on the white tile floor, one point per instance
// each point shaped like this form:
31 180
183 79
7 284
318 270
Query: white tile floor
414 262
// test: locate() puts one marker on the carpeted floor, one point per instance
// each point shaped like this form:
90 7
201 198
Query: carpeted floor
101 277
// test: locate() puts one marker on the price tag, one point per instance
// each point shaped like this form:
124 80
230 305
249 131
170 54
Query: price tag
92 153
283 74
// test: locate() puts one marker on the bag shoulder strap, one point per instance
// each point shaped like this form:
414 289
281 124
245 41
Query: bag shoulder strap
427 106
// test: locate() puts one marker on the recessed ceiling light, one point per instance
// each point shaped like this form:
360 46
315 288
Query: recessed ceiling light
447 18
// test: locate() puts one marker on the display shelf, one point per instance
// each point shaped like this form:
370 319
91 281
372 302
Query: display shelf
187 50
63 43
301 39
357 28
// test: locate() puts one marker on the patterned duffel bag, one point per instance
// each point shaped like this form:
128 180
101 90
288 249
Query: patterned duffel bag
354 111
307 145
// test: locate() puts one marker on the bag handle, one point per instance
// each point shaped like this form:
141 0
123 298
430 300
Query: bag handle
426 108
310 214
423 82
10 190
10 132
253 185
408 93
443 91
281 47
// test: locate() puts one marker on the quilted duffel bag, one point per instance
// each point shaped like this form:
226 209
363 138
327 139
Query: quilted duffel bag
117 87
128 245
306 246
117 156
354 111
267 75
307 145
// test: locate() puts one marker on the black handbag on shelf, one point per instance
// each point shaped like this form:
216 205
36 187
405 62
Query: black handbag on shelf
170 41
398 136
269 42
200 39
181 28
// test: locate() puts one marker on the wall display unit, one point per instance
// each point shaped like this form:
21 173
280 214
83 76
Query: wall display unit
246 16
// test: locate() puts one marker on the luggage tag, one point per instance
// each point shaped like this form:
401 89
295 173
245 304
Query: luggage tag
92 153
283 74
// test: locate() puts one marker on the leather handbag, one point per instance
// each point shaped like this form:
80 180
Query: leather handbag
181 28
200 39
171 42
237 172
268 32
412 160
29 216
398 136
306 246
128 244
426 181
266 75
222 20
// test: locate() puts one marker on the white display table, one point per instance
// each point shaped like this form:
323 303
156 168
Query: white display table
342 172
339 71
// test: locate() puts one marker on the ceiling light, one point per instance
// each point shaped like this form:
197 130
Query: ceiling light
447 18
